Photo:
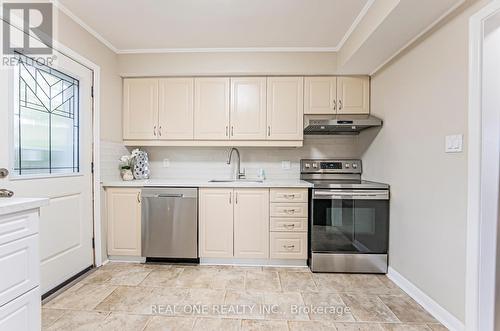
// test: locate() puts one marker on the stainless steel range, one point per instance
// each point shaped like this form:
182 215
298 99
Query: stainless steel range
348 218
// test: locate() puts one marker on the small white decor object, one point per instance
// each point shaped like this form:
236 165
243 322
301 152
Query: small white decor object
141 164
126 167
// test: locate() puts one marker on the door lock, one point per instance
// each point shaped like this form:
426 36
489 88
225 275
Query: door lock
4 172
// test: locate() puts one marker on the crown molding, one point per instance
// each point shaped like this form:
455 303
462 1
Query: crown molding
227 50
80 22
110 45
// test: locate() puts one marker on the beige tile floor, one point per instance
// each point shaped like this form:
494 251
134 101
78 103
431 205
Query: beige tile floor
122 296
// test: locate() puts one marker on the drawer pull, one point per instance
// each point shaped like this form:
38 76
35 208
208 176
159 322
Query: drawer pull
289 226
289 211
289 196
288 246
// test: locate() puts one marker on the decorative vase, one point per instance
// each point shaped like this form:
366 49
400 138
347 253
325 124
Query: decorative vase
141 166
127 174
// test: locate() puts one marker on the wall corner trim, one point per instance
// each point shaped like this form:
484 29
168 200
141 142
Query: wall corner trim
438 312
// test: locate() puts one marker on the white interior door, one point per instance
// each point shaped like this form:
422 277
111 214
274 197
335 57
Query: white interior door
46 130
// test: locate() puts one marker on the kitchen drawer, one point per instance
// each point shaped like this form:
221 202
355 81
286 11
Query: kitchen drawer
20 264
18 225
23 313
288 245
289 224
288 209
288 195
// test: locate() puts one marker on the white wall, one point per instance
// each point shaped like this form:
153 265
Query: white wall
75 37
422 96
210 162
227 63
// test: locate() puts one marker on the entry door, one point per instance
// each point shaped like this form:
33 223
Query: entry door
46 134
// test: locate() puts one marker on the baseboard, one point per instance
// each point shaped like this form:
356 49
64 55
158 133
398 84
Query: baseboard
126 259
254 262
439 313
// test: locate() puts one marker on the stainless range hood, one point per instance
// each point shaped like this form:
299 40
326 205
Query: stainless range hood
339 124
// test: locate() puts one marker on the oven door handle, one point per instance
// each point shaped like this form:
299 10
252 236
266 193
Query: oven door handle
351 195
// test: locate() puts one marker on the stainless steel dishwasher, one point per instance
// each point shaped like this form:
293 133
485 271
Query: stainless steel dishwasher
170 223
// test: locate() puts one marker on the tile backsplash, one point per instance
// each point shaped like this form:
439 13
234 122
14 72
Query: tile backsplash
210 162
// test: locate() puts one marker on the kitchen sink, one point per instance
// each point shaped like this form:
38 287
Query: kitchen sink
236 180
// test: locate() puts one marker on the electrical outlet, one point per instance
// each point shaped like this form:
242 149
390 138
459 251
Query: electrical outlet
286 165
454 143
166 163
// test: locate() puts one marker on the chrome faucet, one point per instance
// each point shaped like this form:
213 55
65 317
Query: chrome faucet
239 174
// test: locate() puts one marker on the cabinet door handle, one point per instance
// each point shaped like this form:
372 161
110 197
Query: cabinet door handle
334 104
154 130
230 196
268 130
232 131
159 131
139 197
236 197
226 130
340 104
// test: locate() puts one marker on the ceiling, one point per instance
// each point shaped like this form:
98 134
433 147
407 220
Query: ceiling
130 26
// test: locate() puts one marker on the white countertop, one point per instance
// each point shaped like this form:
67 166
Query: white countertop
206 183
14 205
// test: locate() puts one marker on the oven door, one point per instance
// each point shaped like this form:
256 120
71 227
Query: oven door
350 221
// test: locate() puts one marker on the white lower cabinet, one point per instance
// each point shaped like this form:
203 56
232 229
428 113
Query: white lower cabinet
245 223
285 245
20 301
215 222
288 209
251 223
124 221
22 313
234 223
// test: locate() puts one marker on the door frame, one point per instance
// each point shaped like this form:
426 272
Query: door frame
96 144
477 317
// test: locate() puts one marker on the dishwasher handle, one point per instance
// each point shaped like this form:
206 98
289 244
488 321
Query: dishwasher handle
170 196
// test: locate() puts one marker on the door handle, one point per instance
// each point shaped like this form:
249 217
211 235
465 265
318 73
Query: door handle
139 197
230 196
334 104
6 193
227 130
159 131
340 104
170 195
4 172
268 130
232 131
154 130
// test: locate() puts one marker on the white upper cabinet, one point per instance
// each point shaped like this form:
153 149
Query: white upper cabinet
353 95
176 108
248 108
211 108
320 95
140 108
285 108
337 95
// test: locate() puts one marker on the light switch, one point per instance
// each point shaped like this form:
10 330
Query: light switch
454 143
286 165
166 163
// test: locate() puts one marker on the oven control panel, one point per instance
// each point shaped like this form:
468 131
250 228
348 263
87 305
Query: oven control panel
330 166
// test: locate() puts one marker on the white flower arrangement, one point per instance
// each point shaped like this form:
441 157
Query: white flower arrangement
126 162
